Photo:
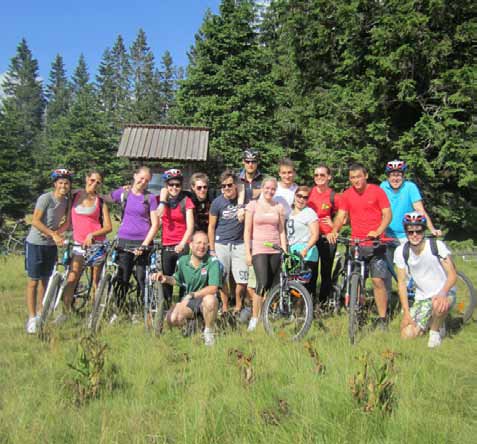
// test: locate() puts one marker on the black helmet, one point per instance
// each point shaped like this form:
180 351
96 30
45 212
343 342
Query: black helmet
251 154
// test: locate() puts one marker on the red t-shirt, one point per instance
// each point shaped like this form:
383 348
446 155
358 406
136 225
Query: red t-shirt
174 223
321 203
365 209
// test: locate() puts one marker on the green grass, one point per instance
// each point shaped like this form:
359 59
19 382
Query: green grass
175 390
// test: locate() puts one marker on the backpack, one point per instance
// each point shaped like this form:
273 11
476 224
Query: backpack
124 200
100 201
434 251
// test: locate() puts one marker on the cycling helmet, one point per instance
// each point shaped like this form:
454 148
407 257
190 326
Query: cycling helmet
172 174
251 154
414 219
396 165
61 173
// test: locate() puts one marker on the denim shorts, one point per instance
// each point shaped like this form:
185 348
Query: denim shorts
40 260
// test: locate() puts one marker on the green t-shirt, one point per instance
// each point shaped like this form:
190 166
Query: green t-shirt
194 279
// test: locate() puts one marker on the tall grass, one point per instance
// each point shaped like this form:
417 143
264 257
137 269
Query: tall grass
175 390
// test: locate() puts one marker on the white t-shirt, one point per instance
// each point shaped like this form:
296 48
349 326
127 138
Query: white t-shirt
425 269
285 196
298 230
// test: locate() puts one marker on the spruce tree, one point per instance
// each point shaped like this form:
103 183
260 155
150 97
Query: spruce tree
58 91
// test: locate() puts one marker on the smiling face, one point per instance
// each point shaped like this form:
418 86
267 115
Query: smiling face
395 179
415 234
199 245
229 188
174 187
358 179
200 189
301 199
62 187
93 183
321 177
287 175
141 180
269 188
250 166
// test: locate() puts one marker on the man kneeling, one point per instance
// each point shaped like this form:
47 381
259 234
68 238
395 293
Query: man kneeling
428 262
200 276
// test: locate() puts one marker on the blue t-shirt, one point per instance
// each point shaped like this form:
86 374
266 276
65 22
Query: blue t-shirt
228 229
401 201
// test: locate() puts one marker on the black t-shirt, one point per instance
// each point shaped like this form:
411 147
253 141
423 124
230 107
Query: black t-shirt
201 212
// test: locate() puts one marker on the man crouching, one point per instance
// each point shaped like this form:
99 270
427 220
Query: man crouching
200 276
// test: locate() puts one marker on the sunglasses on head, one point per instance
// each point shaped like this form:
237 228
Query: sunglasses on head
301 196
175 185
201 187
411 232
227 185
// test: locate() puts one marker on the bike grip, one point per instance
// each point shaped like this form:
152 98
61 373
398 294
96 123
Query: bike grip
268 244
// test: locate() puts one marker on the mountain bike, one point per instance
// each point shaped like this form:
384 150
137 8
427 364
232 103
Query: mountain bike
59 280
288 307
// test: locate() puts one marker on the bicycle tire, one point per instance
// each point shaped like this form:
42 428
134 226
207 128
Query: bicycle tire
466 299
353 309
82 290
159 313
100 302
54 285
293 323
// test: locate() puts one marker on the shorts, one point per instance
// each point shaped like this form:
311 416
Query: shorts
40 260
252 279
376 259
195 305
96 257
232 258
421 311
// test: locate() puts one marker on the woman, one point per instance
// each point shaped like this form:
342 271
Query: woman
325 202
303 231
177 224
90 222
264 222
139 226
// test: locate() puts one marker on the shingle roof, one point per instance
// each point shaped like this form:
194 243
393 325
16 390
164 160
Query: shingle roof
164 142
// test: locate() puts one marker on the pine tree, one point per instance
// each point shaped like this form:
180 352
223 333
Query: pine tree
80 80
58 91
167 85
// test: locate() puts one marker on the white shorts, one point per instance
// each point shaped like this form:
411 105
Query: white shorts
233 260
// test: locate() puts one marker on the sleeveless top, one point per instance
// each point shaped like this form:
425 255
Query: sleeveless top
85 220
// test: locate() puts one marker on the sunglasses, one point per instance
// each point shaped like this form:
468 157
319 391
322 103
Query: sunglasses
227 185
201 187
320 175
250 161
174 185
301 196
411 232
95 181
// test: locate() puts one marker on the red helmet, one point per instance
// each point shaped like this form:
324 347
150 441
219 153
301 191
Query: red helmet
396 165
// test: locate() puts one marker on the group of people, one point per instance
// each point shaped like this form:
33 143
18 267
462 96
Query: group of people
216 245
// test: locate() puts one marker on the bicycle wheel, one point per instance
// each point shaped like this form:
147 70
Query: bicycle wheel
83 290
288 313
100 302
466 299
158 309
51 294
356 294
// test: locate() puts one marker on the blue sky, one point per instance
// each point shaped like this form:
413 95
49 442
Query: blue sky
71 28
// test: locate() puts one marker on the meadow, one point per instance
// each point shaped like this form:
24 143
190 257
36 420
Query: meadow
249 388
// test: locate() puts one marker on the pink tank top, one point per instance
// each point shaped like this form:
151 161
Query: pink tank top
85 220
265 227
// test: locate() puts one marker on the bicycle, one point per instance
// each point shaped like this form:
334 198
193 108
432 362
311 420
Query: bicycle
288 307
9 244
58 282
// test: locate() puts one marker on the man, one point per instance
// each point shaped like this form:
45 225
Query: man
369 212
200 276
250 177
404 197
434 275
46 234
286 188
226 238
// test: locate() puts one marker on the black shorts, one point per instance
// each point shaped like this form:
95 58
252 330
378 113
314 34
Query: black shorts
40 260
195 305
376 259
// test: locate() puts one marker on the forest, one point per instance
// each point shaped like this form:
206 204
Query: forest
314 80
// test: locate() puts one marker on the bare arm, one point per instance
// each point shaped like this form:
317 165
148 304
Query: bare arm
338 223
151 234
105 229
403 297
281 230
189 228
210 289
39 225
211 233
247 236
386 216
314 235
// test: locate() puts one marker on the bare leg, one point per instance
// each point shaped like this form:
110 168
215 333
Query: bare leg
180 314
73 276
257 302
239 290
209 310
437 319
380 296
31 292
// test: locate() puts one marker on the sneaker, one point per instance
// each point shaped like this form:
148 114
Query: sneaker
252 325
435 339
31 325
61 319
209 339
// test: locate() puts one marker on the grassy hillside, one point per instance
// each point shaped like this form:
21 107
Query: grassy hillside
175 390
